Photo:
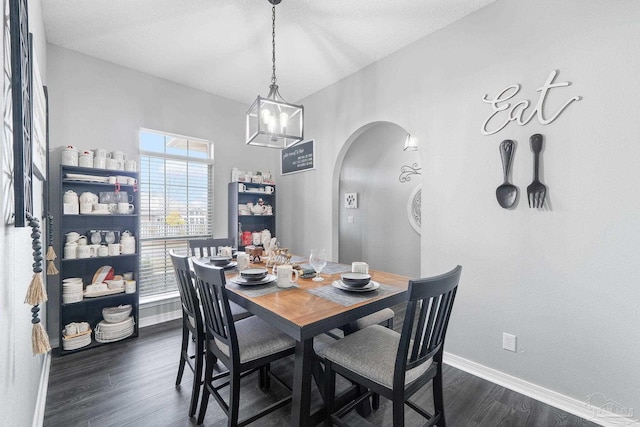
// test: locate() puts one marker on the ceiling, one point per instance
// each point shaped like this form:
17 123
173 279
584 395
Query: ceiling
224 47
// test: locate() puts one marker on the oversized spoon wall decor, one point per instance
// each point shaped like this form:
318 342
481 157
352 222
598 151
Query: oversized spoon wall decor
507 193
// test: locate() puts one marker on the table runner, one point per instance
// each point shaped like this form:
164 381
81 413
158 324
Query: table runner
347 298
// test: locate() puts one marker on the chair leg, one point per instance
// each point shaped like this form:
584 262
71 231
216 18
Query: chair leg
234 398
398 411
183 351
208 373
197 377
375 401
438 400
329 390
265 380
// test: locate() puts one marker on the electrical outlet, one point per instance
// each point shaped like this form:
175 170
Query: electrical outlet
509 342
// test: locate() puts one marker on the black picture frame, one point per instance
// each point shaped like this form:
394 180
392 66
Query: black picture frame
21 82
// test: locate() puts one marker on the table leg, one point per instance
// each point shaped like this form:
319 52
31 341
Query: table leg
303 364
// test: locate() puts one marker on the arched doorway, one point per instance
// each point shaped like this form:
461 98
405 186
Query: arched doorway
374 223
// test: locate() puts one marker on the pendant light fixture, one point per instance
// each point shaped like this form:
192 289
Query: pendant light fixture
272 121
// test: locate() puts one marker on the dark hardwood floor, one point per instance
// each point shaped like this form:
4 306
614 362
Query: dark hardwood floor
132 383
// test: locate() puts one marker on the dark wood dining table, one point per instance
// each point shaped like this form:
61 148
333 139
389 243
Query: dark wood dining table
308 310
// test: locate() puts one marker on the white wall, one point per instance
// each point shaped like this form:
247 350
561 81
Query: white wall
564 280
379 231
94 104
20 371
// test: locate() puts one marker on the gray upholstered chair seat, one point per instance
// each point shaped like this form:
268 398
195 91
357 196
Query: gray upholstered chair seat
257 339
371 352
375 318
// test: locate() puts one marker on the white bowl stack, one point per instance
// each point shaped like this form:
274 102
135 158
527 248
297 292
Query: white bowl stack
72 290
118 324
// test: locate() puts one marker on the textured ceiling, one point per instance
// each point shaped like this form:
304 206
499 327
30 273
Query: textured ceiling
224 47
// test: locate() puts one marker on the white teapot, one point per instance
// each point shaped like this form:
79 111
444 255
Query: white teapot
257 209
88 197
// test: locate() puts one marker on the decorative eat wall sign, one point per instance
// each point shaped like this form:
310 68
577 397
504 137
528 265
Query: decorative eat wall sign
504 112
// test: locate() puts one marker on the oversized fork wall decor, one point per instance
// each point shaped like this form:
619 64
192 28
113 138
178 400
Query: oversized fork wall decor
536 191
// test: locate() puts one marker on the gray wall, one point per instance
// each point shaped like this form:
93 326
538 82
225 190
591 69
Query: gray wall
20 371
379 233
564 280
98 104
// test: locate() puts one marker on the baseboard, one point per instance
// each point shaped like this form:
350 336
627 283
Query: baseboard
159 318
41 399
598 415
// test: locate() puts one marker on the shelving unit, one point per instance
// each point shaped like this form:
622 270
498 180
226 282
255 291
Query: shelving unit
90 308
250 222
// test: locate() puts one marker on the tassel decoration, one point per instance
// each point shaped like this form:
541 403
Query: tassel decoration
51 253
36 292
39 337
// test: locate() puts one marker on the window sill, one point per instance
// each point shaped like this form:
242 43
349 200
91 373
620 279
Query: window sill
160 299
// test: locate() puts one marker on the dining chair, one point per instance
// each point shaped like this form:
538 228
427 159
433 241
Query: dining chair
208 247
397 365
243 346
191 325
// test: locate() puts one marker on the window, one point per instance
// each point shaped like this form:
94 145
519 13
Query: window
176 203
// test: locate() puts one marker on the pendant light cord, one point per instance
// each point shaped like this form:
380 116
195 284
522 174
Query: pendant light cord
273 43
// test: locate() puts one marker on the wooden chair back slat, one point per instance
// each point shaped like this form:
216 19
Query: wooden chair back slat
186 287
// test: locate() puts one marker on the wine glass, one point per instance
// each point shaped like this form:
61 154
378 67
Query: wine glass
318 260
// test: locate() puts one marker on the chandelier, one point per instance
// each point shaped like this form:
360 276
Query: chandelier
272 121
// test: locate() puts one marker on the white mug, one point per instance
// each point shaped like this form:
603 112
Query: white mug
100 163
114 164
284 276
113 179
125 208
268 189
243 260
129 286
242 188
103 251
71 329
70 251
114 249
359 267
130 165
128 275
132 181
224 251
85 251
118 155
102 153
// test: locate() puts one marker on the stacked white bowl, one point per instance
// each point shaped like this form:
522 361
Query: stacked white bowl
117 324
72 290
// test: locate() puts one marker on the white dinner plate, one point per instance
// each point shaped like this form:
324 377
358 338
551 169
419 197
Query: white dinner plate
372 286
103 293
244 282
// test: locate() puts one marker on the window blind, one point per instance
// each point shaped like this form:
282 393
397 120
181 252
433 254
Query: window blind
176 204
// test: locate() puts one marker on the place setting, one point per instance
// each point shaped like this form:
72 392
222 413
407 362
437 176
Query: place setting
224 261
